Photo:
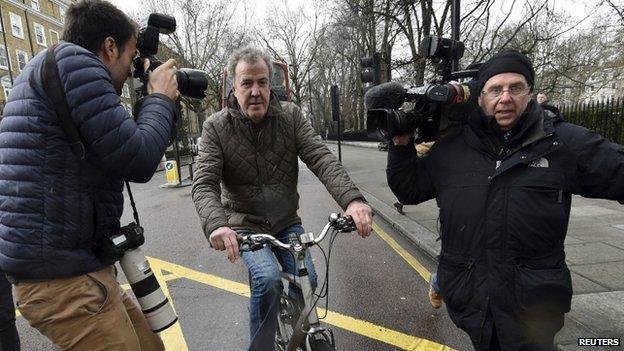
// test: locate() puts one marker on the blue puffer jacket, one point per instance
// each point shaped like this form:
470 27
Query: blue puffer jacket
53 206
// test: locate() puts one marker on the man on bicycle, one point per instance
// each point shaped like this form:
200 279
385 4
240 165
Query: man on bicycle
247 181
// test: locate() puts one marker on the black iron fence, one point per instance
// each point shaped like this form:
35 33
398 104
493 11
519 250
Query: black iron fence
605 117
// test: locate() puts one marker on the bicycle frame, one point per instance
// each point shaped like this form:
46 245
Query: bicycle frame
307 326
308 323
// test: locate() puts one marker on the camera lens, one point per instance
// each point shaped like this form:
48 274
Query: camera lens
192 83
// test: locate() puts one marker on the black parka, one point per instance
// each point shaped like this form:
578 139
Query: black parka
504 217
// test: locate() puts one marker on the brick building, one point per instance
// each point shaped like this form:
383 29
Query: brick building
27 27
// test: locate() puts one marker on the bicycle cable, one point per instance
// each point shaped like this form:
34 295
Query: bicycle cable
324 291
329 251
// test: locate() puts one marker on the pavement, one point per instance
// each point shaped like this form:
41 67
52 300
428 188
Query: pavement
594 253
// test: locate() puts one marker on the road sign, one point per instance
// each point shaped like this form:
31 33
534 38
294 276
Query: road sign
171 169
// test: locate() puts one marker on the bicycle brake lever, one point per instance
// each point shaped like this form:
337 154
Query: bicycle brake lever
346 224
250 247
257 246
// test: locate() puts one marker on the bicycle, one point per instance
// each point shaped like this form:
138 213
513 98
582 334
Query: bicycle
299 329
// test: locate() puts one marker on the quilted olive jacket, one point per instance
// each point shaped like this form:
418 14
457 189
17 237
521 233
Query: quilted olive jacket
247 175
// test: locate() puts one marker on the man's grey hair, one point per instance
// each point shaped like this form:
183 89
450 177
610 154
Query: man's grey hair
250 55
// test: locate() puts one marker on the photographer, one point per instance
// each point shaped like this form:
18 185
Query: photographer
504 186
55 205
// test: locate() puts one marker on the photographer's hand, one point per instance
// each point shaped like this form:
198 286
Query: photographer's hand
401 139
224 238
163 80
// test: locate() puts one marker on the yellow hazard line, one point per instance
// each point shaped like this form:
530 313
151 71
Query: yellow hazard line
174 338
411 260
367 329
388 336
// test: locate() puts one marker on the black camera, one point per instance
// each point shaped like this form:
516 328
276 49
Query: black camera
385 119
125 246
191 82
112 248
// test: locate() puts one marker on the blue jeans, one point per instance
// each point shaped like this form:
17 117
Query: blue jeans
266 288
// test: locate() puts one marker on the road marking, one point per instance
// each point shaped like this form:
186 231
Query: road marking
388 336
367 329
174 337
411 260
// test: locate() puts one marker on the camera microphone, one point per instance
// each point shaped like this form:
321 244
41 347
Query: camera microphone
387 95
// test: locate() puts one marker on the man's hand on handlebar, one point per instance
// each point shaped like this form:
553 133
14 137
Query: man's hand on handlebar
224 238
362 216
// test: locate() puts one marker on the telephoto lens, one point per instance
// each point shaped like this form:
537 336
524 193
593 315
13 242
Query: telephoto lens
154 304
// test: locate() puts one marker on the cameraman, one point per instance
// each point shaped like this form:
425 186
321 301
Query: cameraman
55 206
503 185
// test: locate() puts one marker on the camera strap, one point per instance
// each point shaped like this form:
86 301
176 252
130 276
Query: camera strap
54 89
135 213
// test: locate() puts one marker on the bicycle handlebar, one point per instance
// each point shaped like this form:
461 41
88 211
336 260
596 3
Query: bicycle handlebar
254 242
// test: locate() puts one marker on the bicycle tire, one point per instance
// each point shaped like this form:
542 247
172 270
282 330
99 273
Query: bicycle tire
321 345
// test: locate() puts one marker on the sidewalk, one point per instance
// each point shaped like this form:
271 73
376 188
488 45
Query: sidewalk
594 253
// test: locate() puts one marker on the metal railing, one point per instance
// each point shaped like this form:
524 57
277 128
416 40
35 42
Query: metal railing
605 117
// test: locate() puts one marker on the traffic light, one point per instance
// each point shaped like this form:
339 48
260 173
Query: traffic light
371 69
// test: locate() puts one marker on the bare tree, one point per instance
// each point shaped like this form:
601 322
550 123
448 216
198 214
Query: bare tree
292 35
205 36
617 7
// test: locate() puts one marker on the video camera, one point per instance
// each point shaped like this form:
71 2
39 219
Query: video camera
385 119
191 82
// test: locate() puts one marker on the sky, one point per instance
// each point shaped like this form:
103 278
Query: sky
579 6
258 6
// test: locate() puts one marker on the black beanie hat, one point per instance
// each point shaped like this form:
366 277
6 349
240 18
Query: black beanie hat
508 60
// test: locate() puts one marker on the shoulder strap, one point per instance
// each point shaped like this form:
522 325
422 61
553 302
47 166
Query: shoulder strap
54 88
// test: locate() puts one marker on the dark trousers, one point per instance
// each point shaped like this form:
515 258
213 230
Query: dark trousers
9 340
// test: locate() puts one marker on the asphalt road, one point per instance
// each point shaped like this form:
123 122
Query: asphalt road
377 300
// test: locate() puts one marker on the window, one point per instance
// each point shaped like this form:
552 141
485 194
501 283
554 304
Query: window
16 25
62 10
4 60
54 37
7 90
22 59
40 34
34 4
